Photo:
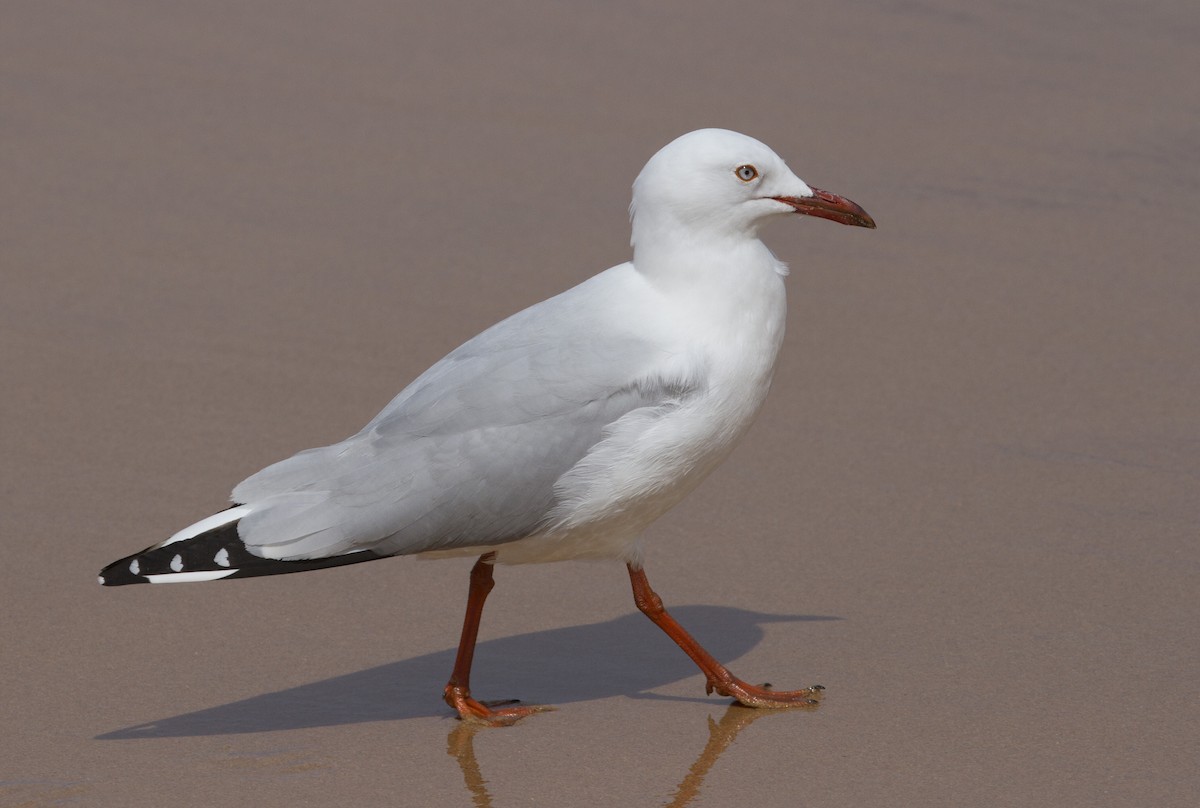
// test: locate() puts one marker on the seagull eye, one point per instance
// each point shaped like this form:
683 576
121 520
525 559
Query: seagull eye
746 173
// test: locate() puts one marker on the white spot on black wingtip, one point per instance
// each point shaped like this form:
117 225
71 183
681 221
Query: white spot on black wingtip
133 566
100 579
177 563
222 557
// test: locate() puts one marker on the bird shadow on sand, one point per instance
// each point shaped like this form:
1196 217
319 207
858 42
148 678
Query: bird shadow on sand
626 656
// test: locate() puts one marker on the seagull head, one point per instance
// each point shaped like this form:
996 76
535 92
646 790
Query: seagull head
714 183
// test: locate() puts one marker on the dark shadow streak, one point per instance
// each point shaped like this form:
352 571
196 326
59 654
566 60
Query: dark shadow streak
626 656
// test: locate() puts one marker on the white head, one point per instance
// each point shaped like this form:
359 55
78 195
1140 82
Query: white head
718 184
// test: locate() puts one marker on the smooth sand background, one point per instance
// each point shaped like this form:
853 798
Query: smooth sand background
232 231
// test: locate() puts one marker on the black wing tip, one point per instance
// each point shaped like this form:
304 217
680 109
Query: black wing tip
217 554
116 575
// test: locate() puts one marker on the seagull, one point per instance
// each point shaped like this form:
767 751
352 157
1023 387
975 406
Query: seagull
559 433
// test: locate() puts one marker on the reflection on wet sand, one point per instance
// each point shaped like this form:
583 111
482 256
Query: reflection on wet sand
720 735
460 745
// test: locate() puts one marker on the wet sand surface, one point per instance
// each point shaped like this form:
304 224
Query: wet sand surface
970 507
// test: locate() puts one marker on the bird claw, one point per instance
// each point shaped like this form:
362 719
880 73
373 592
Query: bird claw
505 717
763 696
499 702
473 711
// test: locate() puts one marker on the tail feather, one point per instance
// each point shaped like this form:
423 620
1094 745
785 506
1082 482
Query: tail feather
214 552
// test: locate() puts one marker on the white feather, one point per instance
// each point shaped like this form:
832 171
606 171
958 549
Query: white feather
208 523
181 577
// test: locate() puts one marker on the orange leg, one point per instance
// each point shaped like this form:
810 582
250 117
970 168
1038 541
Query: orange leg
718 676
458 690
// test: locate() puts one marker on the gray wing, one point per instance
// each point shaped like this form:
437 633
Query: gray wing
468 454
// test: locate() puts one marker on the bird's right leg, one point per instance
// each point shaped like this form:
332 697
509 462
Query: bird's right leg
458 690
718 677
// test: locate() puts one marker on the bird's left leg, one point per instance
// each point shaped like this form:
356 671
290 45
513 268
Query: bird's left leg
719 678
458 690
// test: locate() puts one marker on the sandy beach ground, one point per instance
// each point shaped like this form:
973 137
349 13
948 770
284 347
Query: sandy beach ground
970 508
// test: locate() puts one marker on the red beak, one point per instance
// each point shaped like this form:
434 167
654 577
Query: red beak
825 205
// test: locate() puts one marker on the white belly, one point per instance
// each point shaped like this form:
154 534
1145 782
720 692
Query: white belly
644 468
